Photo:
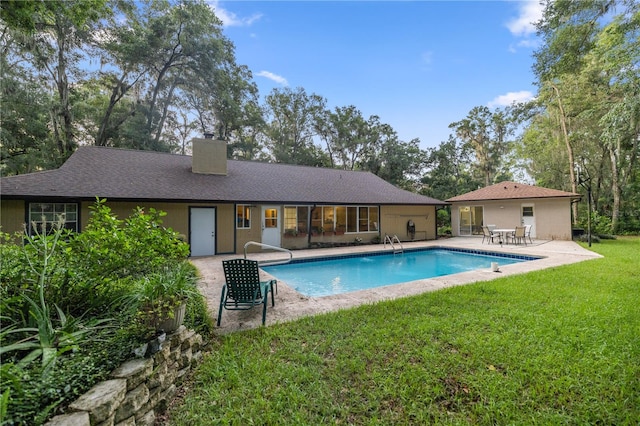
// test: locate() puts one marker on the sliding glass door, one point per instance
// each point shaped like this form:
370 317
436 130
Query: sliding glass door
471 218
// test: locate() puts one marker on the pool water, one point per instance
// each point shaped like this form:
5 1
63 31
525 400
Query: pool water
329 276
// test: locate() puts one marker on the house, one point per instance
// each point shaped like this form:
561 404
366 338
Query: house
511 204
219 204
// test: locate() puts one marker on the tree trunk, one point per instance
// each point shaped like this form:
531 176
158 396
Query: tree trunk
165 110
65 134
565 135
119 90
615 187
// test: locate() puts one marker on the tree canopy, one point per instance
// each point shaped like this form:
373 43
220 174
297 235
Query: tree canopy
152 74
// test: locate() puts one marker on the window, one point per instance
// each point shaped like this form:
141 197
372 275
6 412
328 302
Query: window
270 218
331 218
362 219
44 215
243 216
327 218
295 219
527 211
341 219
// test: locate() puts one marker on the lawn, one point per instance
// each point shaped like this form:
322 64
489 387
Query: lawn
558 346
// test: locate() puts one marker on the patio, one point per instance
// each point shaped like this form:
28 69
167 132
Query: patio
291 304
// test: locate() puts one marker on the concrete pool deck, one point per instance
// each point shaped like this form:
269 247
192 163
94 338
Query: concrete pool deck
291 305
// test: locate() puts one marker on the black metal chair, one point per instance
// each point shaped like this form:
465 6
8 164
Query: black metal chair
243 289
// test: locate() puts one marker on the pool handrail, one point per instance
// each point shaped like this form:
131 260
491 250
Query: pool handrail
391 240
269 262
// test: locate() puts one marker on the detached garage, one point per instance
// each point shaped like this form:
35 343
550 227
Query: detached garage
511 204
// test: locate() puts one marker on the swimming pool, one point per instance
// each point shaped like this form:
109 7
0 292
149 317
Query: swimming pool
344 274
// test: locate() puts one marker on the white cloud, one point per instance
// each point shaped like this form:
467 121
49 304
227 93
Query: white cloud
524 24
230 19
527 43
274 77
510 98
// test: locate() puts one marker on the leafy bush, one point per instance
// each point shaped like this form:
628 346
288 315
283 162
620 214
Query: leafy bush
130 247
443 218
444 231
35 396
600 224
57 291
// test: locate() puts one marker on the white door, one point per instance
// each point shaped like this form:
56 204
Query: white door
271 225
202 231
528 218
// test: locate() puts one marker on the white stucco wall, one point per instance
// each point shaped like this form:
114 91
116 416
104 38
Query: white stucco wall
552 216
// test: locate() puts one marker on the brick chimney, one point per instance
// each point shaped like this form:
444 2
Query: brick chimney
209 156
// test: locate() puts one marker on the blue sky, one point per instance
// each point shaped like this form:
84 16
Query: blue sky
418 65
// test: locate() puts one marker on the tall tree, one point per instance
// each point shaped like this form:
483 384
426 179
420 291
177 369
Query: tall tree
290 129
449 170
347 136
486 133
591 52
25 145
53 41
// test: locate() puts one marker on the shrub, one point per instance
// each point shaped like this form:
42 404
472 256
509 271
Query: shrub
57 289
444 231
600 224
130 247
443 218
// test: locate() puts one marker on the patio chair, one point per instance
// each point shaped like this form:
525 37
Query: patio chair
243 289
527 232
518 235
489 235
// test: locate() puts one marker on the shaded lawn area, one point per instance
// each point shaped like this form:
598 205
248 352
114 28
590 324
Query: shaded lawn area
559 346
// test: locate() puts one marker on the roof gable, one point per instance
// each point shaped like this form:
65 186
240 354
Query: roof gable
138 175
512 191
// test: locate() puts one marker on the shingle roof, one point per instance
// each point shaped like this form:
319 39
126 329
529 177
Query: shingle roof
146 175
511 191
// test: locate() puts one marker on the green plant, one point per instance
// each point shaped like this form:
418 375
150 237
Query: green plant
159 293
444 230
42 335
600 224
130 247
55 290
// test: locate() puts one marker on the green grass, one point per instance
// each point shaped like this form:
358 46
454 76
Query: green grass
558 346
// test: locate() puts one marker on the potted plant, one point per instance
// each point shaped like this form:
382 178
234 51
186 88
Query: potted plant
290 232
163 295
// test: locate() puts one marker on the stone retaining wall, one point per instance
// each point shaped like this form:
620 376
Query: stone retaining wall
139 388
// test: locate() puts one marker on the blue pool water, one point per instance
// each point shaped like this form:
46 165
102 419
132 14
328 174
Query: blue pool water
328 276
